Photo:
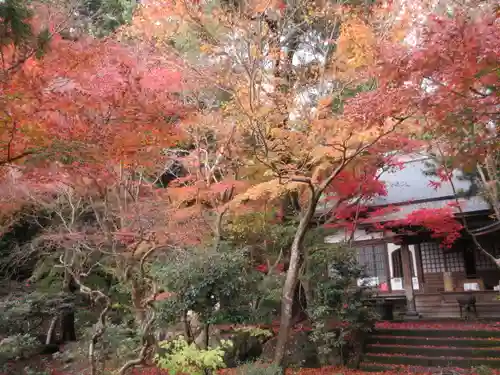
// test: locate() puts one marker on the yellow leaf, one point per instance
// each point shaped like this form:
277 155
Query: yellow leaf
205 48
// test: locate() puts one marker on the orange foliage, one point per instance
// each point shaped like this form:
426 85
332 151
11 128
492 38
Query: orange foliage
259 143
355 45
89 115
92 103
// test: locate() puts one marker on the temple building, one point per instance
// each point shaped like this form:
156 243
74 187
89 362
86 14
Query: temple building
410 270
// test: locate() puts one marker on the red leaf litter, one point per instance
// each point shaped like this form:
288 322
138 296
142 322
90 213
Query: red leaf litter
418 370
327 370
164 296
437 338
431 347
391 370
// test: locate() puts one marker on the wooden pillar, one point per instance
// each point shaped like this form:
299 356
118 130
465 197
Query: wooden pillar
411 310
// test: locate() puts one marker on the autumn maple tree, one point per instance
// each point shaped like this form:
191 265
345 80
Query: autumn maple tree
449 79
89 107
20 44
116 227
290 131
25 37
167 133
39 68
297 134
96 119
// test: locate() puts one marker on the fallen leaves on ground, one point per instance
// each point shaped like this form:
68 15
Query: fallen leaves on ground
456 338
433 347
391 370
328 370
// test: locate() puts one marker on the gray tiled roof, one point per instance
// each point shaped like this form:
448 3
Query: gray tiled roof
411 184
410 190
472 204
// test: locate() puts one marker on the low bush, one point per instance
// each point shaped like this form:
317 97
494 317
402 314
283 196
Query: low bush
181 357
18 346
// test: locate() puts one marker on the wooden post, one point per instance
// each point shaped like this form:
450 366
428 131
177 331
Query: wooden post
411 310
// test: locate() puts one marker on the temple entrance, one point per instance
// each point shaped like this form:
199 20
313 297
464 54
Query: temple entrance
397 264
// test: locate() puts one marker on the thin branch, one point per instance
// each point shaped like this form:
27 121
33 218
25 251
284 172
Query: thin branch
464 220
305 180
100 328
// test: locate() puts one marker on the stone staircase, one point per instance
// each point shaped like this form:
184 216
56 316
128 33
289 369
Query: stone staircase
431 348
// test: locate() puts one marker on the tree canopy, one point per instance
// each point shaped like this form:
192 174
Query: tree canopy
154 150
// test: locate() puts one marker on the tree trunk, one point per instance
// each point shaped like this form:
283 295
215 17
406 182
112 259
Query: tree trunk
68 331
68 326
207 335
406 259
137 303
291 282
299 305
187 327
50 333
306 285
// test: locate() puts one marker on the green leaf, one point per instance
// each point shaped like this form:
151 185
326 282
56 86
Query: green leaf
43 40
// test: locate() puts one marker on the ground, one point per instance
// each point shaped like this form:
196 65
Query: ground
487 332
316 371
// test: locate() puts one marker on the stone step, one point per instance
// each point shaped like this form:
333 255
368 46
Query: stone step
437 333
400 369
469 342
434 351
430 361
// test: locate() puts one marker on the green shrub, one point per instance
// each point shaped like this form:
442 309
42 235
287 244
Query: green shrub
482 370
23 313
30 371
181 357
117 345
255 331
333 273
203 279
18 346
